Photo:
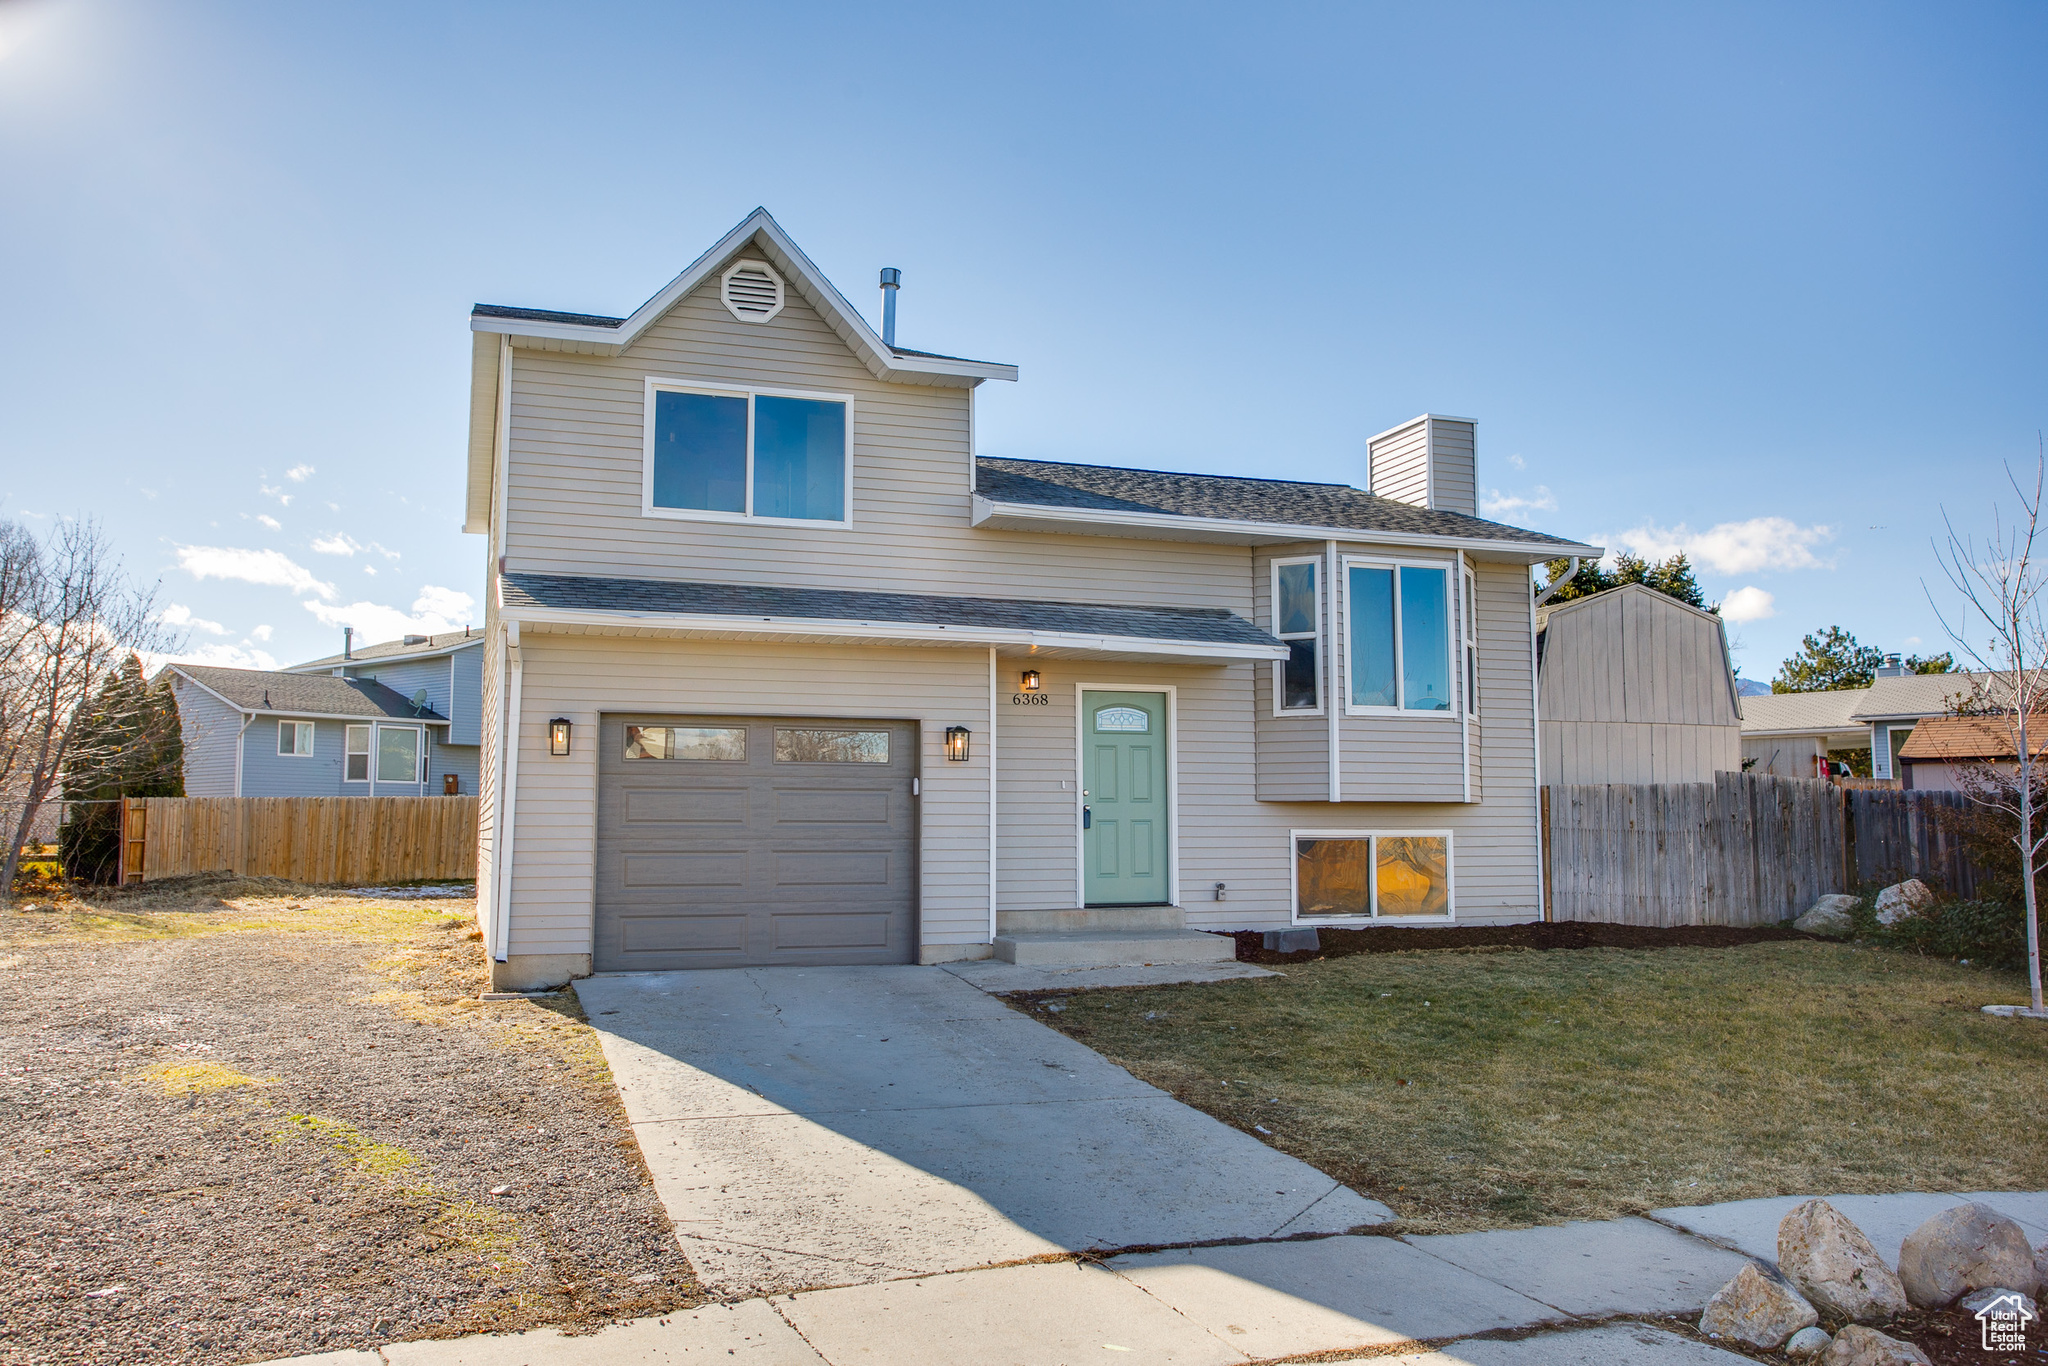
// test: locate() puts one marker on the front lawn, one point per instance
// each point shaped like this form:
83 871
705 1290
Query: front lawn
1490 1088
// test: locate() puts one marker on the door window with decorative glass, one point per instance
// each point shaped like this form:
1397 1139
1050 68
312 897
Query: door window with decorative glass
723 454
1400 628
1297 620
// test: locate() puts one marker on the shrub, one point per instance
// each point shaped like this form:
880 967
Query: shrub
1988 933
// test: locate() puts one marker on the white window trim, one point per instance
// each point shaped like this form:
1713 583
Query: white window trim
1469 681
293 753
1294 878
1452 660
419 756
658 383
1319 635
369 768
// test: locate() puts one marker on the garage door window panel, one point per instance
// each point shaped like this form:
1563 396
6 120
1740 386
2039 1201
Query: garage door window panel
806 746
703 744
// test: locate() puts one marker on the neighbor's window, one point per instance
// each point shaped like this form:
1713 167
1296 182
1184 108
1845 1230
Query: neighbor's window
802 746
356 763
295 738
741 454
727 744
398 754
1297 620
1366 876
1400 637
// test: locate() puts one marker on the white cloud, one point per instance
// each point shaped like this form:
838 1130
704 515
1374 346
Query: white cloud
1494 503
341 543
225 657
1914 643
1516 462
260 633
1735 547
435 610
270 521
283 498
299 474
1749 604
271 568
371 570
177 614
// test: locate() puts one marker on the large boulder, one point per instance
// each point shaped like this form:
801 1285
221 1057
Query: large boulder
1902 899
1758 1307
1835 1267
1977 1301
1807 1343
1969 1247
1829 916
1860 1346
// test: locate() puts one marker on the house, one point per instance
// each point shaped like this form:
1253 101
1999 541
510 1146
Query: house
1792 734
779 670
1938 752
259 733
1635 686
448 669
1896 702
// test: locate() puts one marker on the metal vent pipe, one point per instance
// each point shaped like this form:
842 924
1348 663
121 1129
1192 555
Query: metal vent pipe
892 279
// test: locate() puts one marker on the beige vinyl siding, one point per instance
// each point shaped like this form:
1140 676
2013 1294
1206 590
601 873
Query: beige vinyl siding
1398 464
1292 752
1636 689
1456 483
582 676
575 481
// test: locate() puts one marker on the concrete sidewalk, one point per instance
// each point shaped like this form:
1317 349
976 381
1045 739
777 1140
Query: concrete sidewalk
1564 1292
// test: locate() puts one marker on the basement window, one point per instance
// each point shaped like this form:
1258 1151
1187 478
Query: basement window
1371 875
746 455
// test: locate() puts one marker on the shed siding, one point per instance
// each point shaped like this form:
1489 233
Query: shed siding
210 729
575 481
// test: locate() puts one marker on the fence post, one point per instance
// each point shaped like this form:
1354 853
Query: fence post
1545 803
134 838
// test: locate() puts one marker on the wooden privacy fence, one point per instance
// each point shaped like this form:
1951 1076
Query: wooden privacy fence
1894 834
306 839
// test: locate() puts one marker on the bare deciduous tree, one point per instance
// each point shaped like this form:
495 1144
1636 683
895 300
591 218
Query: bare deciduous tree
2001 632
69 616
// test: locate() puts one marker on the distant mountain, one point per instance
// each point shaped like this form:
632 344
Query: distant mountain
1749 687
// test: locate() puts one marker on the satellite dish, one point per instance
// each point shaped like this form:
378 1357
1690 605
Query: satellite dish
419 701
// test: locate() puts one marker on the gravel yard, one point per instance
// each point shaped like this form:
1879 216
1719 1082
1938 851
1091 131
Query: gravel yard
281 1123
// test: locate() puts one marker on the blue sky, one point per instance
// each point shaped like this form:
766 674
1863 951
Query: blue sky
1764 282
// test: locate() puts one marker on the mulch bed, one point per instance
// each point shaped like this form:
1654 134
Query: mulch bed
344 1202
1571 934
1951 1337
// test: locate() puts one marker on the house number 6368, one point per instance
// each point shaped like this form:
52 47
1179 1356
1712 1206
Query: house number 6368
1030 699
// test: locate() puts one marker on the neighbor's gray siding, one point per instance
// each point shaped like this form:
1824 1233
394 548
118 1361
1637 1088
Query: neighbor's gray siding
466 696
462 761
575 481
209 728
408 677
1784 756
266 773
1637 689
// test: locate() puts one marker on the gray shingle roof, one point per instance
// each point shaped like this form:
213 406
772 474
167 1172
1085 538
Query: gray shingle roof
395 649
1106 488
306 694
544 315
1905 695
1803 711
576 592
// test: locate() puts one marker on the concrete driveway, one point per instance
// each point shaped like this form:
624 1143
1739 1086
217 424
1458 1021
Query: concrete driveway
837 1126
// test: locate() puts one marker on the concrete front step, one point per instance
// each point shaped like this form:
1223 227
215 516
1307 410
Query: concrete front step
1107 947
1145 918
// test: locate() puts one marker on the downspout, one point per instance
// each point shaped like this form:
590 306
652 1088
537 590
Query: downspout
508 792
991 794
1536 744
1330 702
1550 592
241 743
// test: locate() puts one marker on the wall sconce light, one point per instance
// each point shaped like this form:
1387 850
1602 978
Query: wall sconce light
558 735
956 744
1032 681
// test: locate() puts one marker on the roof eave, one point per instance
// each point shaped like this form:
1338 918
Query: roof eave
1171 526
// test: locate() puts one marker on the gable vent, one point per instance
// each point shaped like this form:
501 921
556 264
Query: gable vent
752 291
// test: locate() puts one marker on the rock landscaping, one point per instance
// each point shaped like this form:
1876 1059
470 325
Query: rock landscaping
1902 899
1831 917
1829 1276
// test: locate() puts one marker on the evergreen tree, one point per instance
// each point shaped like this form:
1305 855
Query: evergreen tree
1827 661
127 745
1932 664
1672 577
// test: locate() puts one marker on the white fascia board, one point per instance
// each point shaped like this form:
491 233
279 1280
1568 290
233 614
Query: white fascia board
842 316
1100 522
884 631
483 432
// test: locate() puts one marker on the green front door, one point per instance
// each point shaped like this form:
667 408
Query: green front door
1124 797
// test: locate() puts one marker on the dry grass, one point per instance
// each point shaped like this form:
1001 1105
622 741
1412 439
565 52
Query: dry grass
1488 1089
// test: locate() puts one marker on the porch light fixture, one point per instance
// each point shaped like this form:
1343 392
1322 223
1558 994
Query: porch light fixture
1032 682
558 735
956 744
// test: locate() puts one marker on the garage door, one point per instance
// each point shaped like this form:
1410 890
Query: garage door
739 841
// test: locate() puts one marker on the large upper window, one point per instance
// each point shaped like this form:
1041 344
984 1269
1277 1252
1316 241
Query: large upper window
728 453
1400 620
1297 620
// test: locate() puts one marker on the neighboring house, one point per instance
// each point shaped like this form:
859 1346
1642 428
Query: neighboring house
255 733
448 669
1791 734
779 670
1635 687
1896 702
1939 751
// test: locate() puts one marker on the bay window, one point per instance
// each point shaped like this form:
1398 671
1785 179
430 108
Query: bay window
1400 629
742 454
1297 621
